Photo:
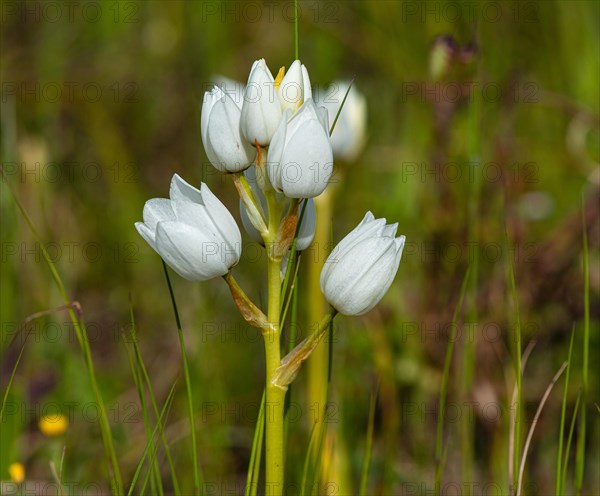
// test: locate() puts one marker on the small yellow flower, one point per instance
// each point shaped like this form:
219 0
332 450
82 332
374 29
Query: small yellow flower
53 425
17 472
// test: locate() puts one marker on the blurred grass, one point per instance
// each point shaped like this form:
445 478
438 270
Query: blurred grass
84 165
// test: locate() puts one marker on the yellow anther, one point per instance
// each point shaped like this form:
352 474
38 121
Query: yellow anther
279 77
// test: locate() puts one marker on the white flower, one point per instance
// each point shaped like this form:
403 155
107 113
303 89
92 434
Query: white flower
261 110
361 268
300 159
220 129
306 232
295 87
193 231
349 135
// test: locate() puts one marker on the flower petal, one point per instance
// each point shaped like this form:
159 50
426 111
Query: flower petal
155 210
182 191
261 110
307 161
359 280
148 234
188 252
232 152
367 228
291 89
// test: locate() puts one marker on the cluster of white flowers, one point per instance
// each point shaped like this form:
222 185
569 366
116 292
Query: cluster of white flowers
274 139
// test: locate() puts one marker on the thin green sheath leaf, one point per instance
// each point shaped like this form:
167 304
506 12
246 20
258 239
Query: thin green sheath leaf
364 476
341 107
149 445
559 482
444 384
188 382
256 453
581 434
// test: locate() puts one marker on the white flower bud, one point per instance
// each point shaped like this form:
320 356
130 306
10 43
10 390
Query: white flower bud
220 129
261 110
193 232
295 87
300 159
361 268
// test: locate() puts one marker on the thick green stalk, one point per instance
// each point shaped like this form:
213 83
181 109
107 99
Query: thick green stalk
317 365
275 402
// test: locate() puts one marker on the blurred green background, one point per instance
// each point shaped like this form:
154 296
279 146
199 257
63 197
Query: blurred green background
101 106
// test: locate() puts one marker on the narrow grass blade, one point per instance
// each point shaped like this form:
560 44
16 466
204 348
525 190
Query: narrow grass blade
146 377
581 434
305 484
471 311
188 383
20 330
569 440
149 445
12 376
563 414
516 442
256 453
291 344
341 107
81 333
513 416
156 483
444 384
314 453
323 430
292 258
533 425
364 476
293 289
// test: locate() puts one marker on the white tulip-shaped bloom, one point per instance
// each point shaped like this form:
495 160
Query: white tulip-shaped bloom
350 132
261 110
361 268
220 129
295 87
306 232
193 231
300 159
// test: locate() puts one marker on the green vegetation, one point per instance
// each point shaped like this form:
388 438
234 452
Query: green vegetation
483 163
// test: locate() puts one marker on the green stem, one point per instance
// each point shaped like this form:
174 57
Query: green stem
275 397
296 49
317 365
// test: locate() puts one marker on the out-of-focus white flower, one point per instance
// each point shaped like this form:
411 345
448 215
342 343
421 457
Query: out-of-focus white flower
261 110
220 129
193 231
294 87
350 132
535 205
306 232
361 268
300 159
